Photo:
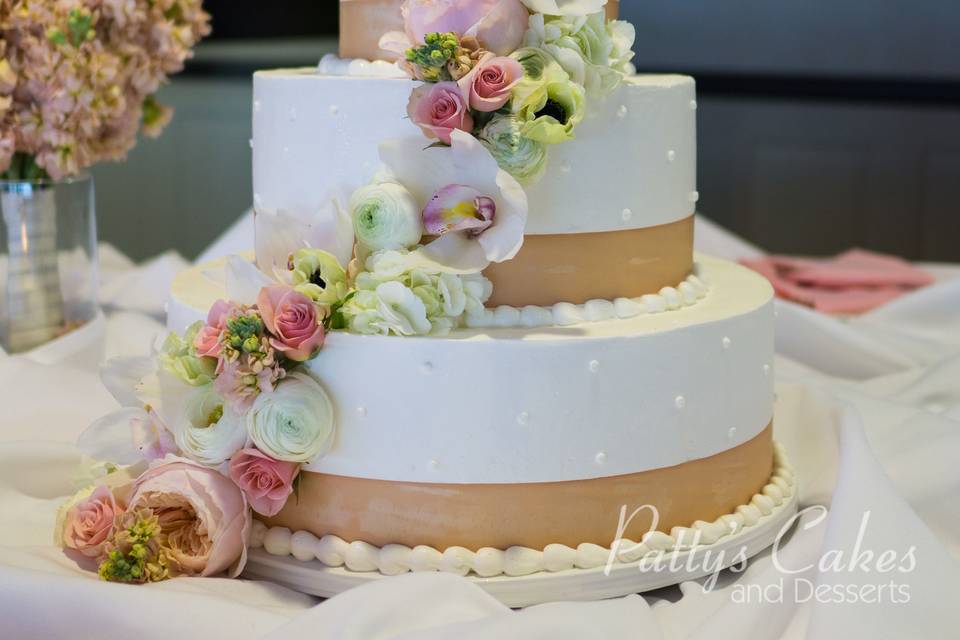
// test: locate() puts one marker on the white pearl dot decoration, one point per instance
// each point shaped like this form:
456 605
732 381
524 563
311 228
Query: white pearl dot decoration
671 155
622 111
680 402
727 342
426 368
766 369
523 418
693 105
251 143
732 433
433 464
334 109
362 412
694 196
594 366
257 106
600 458
626 214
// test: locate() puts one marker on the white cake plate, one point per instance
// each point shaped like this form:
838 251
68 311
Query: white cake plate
316 578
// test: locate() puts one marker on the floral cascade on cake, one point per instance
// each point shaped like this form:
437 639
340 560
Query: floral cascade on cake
216 425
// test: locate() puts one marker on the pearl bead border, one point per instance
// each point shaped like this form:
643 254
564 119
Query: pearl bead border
393 559
686 294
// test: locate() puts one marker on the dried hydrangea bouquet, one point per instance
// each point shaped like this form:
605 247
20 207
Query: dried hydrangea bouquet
77 84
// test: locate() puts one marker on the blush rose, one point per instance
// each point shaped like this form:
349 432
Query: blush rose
439 109
488 85
291 318
266 482
88 524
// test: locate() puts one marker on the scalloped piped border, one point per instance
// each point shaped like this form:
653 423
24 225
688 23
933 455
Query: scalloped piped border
393 559
686 294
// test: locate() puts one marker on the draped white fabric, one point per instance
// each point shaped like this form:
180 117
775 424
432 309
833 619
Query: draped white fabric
869 409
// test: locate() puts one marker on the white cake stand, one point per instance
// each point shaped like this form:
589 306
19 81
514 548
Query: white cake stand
315 578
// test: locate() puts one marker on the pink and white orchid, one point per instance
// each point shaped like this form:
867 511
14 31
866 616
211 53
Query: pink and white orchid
453 185
498 25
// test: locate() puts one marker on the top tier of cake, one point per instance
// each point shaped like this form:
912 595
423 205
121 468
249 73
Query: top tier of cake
632 164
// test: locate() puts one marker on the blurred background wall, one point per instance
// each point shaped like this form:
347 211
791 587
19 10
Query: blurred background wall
822 125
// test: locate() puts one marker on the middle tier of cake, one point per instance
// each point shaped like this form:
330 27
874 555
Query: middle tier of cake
611 215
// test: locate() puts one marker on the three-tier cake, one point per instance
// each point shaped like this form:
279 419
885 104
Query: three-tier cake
523 348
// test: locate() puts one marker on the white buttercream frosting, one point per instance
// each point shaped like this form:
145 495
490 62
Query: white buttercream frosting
394 559
564 314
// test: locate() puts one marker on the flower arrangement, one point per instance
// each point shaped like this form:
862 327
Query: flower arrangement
513 73
78 78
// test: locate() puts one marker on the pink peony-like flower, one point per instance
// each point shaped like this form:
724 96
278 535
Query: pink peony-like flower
204 517
498 25
291 318
88 525
489 84
207 341
457 207
440 108
266 482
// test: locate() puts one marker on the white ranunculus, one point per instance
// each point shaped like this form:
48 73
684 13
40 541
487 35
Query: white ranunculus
207 431
401 311
565 7
518 155
294 422
594 53
385 216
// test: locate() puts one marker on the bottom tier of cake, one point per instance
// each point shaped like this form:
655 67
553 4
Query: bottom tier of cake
519 436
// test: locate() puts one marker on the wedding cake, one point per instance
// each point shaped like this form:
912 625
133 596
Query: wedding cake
485 219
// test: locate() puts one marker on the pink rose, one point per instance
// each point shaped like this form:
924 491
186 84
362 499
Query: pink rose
266 482
89 522
438 109
489 84
291 319
498 25
207 341
203 515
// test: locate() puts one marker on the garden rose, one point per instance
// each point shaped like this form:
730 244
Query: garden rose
203 516
293 423
438 109
87 523
266 482
207 340
489 84
498 25
291 318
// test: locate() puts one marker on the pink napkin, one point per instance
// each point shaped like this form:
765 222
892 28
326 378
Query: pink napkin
853 282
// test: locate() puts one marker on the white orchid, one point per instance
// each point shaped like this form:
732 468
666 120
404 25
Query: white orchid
565 7
279 234
495 197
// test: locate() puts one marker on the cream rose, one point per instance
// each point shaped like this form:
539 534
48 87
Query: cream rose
294 422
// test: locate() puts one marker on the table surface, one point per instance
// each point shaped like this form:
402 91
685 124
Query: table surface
868 408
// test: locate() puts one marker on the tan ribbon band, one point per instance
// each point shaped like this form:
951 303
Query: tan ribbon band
533 514
362 22
577 267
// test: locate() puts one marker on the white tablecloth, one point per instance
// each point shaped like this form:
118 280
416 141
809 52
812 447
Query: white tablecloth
868 408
